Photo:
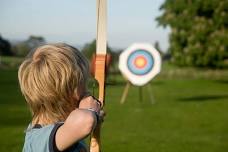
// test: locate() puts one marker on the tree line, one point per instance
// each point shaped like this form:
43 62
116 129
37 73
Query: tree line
22 48
199 32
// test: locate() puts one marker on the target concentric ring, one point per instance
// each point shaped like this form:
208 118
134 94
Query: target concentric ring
140 62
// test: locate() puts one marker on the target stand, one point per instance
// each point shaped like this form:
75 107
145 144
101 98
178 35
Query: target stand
149 91
139 64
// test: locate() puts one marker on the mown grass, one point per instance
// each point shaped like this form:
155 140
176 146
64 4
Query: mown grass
189 115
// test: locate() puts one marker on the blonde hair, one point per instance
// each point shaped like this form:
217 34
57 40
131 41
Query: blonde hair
51 77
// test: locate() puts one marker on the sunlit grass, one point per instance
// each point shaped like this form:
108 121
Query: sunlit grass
189 115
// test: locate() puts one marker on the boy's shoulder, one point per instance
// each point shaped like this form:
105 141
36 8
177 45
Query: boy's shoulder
42 139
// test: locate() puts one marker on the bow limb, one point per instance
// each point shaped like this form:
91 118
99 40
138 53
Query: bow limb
95 143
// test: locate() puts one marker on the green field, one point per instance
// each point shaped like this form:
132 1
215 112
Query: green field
190 113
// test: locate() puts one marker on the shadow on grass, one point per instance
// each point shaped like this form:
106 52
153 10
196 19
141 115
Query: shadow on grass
222 81
202 98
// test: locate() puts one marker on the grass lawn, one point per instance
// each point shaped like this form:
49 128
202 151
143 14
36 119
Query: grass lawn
190 115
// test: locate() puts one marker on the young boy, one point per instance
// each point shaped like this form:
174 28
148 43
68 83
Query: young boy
53 80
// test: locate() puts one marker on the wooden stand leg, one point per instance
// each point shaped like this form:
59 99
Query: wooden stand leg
152 100
126 89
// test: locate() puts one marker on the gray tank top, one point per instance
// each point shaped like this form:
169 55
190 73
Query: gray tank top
42 139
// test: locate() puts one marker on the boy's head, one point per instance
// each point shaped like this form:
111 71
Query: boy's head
52 79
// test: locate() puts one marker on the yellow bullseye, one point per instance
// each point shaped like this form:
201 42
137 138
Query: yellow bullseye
140 62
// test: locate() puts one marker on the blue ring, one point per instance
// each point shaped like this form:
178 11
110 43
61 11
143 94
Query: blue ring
140 71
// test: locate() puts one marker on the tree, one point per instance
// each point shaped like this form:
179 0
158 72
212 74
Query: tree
158 48
5 47
90 48
23 48
199 31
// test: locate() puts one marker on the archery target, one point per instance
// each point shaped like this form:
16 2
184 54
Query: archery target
140 63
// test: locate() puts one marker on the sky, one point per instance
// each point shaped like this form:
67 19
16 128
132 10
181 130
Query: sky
74 21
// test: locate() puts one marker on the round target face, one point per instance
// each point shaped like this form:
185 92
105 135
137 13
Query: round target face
140 63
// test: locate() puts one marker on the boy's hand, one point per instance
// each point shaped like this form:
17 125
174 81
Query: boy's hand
90 103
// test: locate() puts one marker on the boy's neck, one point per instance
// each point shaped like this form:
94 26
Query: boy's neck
41 121
44 121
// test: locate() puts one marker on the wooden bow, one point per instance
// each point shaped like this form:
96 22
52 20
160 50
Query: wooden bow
101 49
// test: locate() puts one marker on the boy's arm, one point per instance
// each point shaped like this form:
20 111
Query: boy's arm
78 125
